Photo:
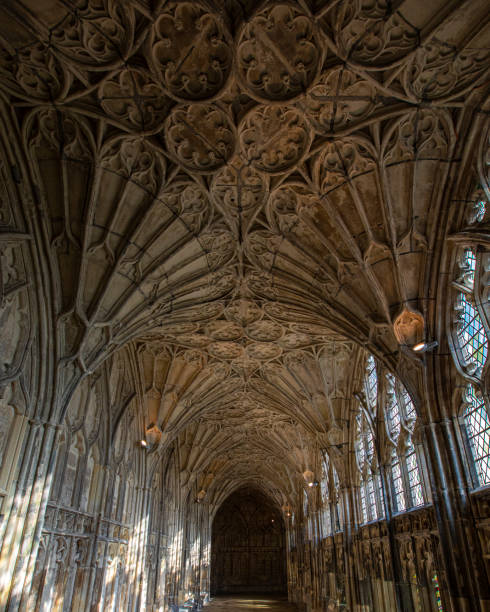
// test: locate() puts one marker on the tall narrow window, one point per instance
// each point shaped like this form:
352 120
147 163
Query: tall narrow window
371 384
477 423
471 334
406 478
472 340
371 505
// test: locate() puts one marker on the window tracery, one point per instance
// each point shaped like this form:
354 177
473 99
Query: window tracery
403 478
406 479
331 511
471 341
370 485
477 207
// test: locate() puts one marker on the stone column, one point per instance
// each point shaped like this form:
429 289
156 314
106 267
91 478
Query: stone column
461 550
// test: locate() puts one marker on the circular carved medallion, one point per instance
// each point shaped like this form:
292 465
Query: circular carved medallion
265 331
133 98
224 330
190 51
274 138
278 53
226 350
243 311
200 136
263 350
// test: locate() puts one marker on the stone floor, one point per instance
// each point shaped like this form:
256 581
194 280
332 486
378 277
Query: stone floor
241 603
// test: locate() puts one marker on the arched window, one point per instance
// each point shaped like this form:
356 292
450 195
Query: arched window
326 518
471 340
371 505
331 514
477 425
406 477
338 523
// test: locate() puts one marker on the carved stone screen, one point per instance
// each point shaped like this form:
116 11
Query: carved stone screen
248 545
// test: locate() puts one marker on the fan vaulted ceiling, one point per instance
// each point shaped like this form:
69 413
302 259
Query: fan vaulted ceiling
240 193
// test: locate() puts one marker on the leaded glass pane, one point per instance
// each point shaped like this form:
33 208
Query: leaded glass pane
410 412
398 486
371 500
478 430
469 266
371 382
363 505
393 416
414 479
480 209
381 510
471 333
437 592
327 524
369 441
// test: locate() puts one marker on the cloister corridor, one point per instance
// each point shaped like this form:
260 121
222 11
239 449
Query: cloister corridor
244 305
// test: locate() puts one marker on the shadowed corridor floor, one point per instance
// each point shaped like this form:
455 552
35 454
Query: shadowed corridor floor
241 603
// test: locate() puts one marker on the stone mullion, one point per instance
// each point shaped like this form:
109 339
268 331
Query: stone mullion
461 551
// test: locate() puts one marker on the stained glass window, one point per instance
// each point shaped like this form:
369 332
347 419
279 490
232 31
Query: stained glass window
471 334
480 210
477 208
472 340
478 431
437 592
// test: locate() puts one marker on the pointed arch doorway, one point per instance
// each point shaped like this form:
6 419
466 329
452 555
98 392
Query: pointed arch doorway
248 545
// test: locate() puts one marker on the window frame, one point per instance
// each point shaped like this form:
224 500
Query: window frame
476 378
407 428
374 477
